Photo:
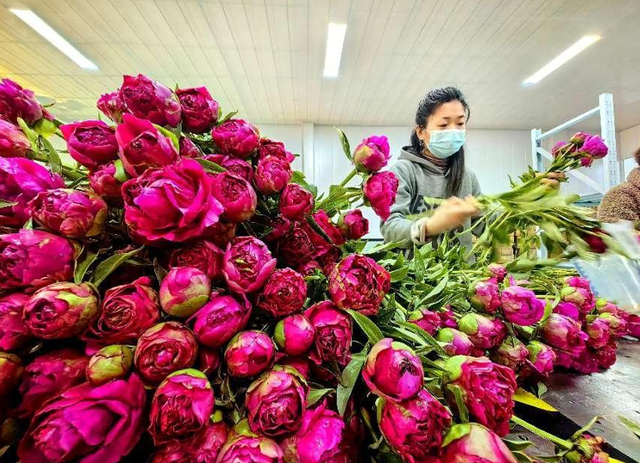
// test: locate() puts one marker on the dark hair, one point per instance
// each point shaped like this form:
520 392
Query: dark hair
428 105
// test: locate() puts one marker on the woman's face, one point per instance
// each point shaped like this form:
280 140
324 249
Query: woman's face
447 116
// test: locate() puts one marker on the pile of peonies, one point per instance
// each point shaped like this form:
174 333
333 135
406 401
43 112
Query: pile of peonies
182 295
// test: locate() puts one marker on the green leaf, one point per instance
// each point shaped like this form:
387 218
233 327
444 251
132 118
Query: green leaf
522 457
109 265
370 329
28 225
317 394
515 445
4 204
82 267
299 179
463 412
29 132
344 141
435 291
542 389
457 431
53 157
318 229
45 127
430 340
349 377
210 166
227 117
120 174
634 427
391 245
170 135
399 274
159 270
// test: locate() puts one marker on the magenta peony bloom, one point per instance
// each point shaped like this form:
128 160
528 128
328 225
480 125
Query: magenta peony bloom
372 154
598 332
283 294
109 363
247 264
148 99
199 109
301 364
13 143
617 324
485 295
20 181
511 353
70 213
455 342
112 106
209 360
521 306
249 353
606 356
236 195
353 225
181 406
17 102
203 255
61 310
564 333
541 358
274 148
183 291
272 175
276 401
595 147
359 283
473 443
334 332
334 233
236 138
294 334
578 291
48 375
633 326
13 332
188 149
203 447
484 332
220 320
414 428
104 182
235 166
379 191
568 309
10 372
497 272
425 319
487 390
296 245
243 446
32 258
91 143
319 438
87 424
448 318
393 371
163 349
174 203
578 138
296 203
126 312
142 146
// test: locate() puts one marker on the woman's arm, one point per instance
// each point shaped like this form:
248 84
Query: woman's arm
476 191
398 227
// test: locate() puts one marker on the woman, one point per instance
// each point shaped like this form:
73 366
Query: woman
622 202
433 166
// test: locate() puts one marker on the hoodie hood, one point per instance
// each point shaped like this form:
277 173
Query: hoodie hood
409 154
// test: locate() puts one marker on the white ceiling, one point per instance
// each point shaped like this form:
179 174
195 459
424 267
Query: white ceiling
266 57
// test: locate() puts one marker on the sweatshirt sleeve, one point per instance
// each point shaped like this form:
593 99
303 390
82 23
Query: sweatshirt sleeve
398 227
475 192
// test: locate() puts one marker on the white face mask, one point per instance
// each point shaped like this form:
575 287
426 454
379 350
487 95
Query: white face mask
445 143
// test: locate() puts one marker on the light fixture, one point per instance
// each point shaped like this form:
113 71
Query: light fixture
37 24
562 58
335 41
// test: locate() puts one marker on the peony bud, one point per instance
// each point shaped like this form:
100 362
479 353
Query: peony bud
151 100
243 446
426 319
13 332
372 154
296 203
353 225
294 334
455 342
485 295
112 106
568 309
91 143
473 443
511 353
183 291
220 320
249 353
283 294
578 291
541 357
199 109
203 255
595 147
274 148
598 332
209 360
13 143
484 332
334 333
497 272
236 138
17 102
105 183
110 362
379 191
521 306
236 195
247 264
272 175
564 333
617 324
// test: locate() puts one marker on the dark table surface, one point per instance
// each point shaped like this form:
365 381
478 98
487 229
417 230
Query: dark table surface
609 394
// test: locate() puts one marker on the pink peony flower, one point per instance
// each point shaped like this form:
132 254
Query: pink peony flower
199 110
209 360
203 447
414 428
247 264
578 291
521 306
473 443
379 191
595 147
110 416
183 291
109 363
173 203
633 326
511 353
541 358
112 106
372 154
243 446
487 390
283 294
181 406
104 183
393 371
91 143
235 166
249 353
188 149
484 332
485 295
354 225
617 324
17 102
164 349
203 255
334 332
272 175
148 99
296 203
274 148
564 333
497 272
426 319
13 332
568 309
13 143
294 334
598 332
236 195
359 283
455 342
237 138
220 320
142 146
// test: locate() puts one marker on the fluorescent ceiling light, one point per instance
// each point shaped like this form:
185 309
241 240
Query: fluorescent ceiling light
46 31
335 41
562 58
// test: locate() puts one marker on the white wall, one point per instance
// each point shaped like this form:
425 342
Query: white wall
629 142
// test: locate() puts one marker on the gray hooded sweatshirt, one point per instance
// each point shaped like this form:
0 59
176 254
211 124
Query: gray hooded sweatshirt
418 178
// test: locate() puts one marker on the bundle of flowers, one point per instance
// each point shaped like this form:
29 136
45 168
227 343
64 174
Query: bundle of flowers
181 294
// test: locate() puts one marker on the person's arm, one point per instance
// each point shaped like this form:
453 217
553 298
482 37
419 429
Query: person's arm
618 204
398 227
476 191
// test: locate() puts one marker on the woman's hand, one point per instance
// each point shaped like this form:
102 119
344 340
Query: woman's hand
450 215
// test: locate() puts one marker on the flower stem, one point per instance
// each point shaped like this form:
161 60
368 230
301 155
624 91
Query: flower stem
349 177
539 432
